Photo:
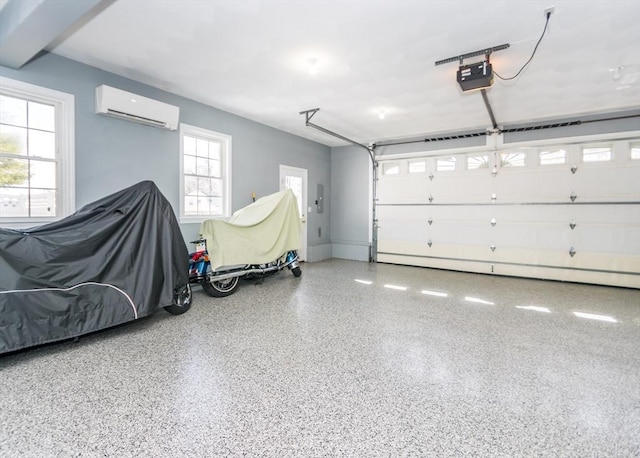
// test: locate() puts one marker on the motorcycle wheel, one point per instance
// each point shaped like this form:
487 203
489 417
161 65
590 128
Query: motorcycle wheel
181 301
296 271
221 288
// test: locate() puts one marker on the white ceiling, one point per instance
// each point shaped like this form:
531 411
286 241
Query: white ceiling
250 57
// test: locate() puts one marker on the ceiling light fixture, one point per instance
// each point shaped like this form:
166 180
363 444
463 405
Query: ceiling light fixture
381 114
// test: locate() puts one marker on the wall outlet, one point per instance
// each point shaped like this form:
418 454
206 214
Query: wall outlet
549 10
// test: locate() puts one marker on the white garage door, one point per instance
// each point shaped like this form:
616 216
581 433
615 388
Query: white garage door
563 212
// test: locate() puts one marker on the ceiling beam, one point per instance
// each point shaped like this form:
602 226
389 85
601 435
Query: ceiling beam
27 27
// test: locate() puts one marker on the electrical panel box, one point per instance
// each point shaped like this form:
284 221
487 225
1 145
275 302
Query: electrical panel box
320 199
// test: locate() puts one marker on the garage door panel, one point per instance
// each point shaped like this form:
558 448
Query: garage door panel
463 188
410 229
609 182
607 238
537 185
398 190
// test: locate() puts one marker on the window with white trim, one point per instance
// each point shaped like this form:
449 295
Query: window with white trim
36 154
205 178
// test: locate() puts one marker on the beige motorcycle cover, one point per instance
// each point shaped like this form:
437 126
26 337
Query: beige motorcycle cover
256 234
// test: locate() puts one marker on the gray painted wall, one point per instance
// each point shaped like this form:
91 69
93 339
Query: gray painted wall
350 202
112 154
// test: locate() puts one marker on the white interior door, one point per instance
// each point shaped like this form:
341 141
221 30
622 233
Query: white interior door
296 179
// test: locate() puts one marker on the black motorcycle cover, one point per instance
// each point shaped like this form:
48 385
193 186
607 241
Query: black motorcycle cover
115 260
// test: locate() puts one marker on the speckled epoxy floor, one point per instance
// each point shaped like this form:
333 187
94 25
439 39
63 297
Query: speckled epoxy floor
327 366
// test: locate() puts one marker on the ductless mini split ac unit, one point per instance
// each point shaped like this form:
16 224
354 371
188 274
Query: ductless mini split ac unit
132 107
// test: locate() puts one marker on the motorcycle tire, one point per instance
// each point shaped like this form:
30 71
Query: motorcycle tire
221 288
296 272
181 301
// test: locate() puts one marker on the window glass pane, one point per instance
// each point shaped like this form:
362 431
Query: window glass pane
202 166
635 150
189 145
216 188
42 116
204 186
553 156
203 205
390 168
596 154
13 202
42 174
214 150
189 164
417 166
42 144
14 172
13 111
446 164
43 202
13 140
477 162
190 205
215 205
214 168
202 148
513 159
190 186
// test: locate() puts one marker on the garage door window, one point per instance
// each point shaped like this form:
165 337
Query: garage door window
477 162
513 159
635 150
418 166
446 164
553 156
390 168
596 154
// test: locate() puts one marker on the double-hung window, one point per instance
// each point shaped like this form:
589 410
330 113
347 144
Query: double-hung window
205 174
36 154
